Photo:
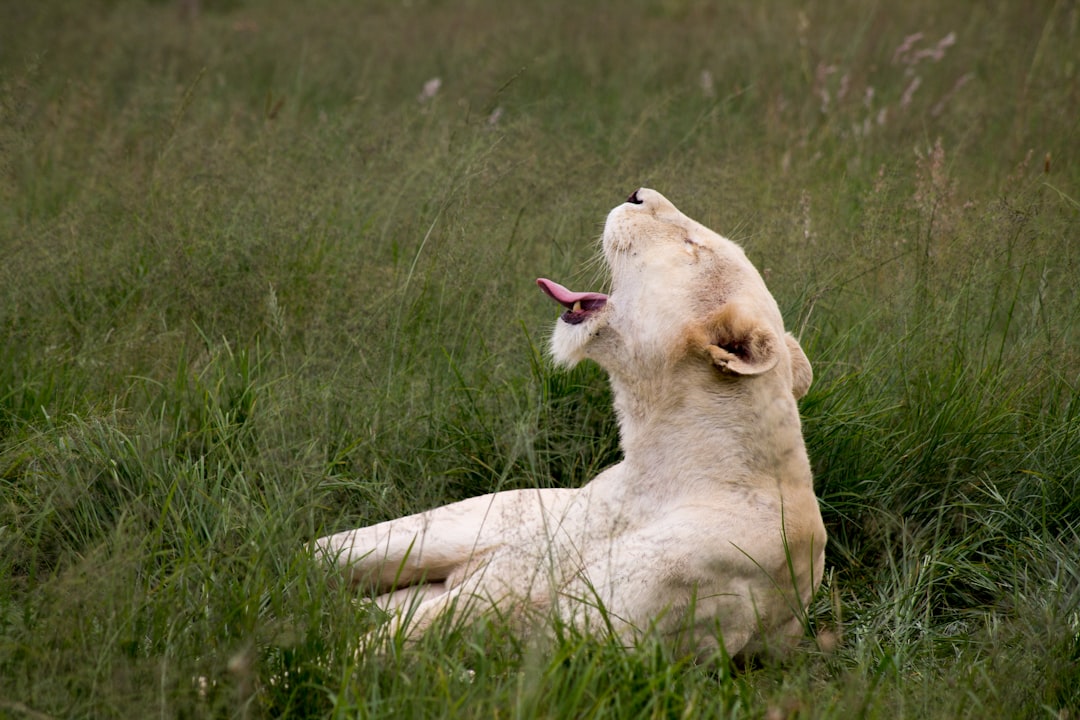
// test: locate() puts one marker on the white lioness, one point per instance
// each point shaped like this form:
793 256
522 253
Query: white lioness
707 531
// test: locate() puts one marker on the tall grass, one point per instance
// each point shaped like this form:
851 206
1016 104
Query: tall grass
256 286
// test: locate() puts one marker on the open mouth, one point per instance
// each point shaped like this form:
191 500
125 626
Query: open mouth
579 305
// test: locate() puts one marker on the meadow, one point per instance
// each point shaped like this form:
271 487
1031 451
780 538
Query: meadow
267 272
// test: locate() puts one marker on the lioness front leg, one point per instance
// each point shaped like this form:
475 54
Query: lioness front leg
429 546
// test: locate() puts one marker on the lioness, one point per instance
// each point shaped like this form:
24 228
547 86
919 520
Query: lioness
707 531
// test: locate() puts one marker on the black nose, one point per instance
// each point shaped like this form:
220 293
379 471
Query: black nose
634 198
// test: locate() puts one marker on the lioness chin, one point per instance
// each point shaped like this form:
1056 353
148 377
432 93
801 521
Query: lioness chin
708 531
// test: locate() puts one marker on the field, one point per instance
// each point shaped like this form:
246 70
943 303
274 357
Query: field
266 272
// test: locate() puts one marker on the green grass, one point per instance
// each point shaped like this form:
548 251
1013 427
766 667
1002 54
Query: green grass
252 290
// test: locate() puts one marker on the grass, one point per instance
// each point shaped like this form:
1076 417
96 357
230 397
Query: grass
254 290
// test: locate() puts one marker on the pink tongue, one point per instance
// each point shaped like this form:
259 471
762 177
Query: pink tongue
566 297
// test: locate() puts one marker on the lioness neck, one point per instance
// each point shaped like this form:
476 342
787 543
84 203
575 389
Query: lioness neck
675 428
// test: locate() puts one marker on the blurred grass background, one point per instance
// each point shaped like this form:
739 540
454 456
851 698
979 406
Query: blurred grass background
256 285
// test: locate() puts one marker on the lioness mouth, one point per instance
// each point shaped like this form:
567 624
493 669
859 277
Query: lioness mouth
579 305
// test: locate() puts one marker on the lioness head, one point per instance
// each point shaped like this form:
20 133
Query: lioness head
679 293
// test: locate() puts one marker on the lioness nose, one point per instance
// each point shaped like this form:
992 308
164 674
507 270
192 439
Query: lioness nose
634 198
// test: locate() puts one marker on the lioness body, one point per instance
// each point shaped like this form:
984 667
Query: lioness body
707 530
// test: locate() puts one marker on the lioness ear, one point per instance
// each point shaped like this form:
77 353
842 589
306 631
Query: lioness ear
801 372
737 343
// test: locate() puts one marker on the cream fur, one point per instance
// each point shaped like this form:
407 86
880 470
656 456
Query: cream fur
708 529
